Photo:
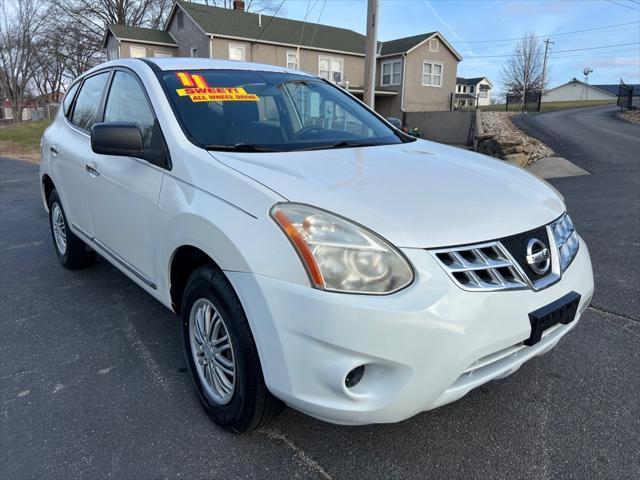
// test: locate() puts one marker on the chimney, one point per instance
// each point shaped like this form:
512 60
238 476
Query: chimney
259 19
238 5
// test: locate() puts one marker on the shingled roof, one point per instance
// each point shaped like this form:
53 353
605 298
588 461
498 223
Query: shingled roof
401 45
148 35
241 24
246 25
469 81
613 88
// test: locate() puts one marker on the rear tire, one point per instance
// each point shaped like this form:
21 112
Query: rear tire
221 354
72 252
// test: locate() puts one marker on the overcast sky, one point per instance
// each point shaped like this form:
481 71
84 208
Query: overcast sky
469 24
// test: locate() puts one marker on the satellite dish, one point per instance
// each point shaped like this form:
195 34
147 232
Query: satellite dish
587 71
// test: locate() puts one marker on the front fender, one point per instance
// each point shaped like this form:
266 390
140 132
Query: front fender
236 240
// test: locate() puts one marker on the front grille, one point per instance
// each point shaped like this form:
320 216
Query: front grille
517 247
499 264
481 267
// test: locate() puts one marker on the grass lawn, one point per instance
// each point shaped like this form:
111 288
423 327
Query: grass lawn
24 135
546 106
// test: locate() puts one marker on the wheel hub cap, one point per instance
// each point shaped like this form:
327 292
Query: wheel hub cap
212 351
59 228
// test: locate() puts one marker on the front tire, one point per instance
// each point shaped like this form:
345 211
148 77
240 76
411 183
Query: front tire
221 354
72 252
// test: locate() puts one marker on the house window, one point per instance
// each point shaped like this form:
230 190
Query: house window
331 68
292 60
432 74
472 89
236 52
180 19
391 73
137 52
464 89
112 53
194 51
458 88
433 45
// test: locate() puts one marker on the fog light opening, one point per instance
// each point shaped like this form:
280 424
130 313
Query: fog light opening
354 376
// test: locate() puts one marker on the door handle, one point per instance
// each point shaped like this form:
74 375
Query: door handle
92 169
53 150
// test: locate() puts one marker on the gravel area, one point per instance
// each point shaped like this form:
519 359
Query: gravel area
632 116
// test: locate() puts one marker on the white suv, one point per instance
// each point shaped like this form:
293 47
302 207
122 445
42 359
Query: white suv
316 255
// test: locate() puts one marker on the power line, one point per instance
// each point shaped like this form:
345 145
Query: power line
315 30
623 5
567 57
270 20
304 24
551 34
564 51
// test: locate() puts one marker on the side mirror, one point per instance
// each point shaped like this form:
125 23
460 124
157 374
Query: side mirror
117 139
395 122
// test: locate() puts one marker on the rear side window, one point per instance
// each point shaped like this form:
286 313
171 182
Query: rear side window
68 98
85 112
128 103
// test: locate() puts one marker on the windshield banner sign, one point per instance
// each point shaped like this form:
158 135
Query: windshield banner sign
196 88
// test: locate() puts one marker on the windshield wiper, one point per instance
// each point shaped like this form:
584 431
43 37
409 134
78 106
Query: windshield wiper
342 144
240 147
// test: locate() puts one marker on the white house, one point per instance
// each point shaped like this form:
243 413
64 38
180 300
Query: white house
472 90
575 90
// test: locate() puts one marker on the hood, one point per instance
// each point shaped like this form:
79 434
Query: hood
416 195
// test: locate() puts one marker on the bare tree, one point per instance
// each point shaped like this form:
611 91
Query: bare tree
86 20
50 61
20 25
523 70
81 51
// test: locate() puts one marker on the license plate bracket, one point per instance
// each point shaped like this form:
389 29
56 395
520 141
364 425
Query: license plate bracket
562 311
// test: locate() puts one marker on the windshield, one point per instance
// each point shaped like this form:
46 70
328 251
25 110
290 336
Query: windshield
270 111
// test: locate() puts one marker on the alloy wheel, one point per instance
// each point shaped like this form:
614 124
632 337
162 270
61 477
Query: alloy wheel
212 351
59 228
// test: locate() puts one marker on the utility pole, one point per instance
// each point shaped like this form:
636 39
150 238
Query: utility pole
547 42
371 47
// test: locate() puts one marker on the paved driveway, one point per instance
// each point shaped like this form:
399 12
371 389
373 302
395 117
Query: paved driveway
93 382
607 203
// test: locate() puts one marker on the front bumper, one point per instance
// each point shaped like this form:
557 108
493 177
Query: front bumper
423 347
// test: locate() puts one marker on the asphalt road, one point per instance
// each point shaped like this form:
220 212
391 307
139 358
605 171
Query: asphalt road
606 204
93 381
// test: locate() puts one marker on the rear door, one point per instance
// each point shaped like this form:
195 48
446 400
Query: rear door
70 151
123 192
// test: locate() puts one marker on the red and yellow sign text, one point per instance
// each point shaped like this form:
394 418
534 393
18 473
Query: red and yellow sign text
196 88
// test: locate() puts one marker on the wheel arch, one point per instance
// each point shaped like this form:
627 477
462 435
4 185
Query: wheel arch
47 187
185 259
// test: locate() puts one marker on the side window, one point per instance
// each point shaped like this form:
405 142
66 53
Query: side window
128 103
68 98
85 112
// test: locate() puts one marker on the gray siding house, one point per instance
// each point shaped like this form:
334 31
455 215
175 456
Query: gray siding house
414 74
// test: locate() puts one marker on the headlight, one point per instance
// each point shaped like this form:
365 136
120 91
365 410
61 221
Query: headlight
340 255
566 238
